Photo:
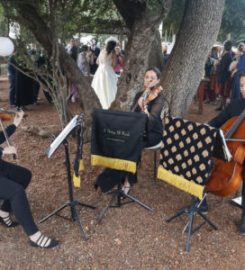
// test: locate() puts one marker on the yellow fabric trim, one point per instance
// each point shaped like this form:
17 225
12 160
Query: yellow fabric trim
81 166
113 163
76 181
180 182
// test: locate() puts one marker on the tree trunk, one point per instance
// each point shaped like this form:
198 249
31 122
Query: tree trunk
198 32
31 19
143 31
156 56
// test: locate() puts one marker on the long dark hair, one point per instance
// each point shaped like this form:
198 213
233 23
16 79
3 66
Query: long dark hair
228 45
242 74
155 70
110 46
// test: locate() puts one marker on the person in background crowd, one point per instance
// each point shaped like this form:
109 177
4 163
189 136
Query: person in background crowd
12 80
36 86
73 49
236 68
223 73
210 74
105 80
96 51
119 61
22 91
83 61
165 55
213 86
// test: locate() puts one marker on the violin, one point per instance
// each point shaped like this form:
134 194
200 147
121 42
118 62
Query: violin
226 177
152 92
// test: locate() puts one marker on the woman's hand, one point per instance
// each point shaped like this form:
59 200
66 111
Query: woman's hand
152 96
9 150
141 103
153 84
18 117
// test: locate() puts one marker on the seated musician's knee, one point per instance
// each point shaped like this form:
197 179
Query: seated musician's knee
26 177
16 189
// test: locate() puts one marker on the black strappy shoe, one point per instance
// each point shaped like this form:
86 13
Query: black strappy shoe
8 222
44 242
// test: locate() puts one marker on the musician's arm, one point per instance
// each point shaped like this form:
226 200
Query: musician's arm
221 118
155 111
135 107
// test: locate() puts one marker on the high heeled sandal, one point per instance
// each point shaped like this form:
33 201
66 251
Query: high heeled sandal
8 222
44 242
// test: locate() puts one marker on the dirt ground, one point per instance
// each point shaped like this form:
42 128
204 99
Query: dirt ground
129 237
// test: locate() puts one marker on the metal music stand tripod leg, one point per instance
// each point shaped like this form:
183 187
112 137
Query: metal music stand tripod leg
191 211
118 195
71 203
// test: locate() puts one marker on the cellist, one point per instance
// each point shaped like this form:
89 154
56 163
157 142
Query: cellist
235 108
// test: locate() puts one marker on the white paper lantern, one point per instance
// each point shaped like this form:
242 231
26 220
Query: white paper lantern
6 46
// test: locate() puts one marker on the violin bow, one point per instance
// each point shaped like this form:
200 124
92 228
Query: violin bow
6 137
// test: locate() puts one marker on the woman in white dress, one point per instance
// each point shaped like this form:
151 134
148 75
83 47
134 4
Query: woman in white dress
105 80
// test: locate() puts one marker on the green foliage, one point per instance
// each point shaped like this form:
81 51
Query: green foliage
83 14
3 23
233 21
172 22
67 18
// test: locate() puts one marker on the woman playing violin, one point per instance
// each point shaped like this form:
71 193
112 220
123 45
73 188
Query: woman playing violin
14 180
152 102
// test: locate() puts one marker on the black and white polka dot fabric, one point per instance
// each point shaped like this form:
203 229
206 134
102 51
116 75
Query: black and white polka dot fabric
187 149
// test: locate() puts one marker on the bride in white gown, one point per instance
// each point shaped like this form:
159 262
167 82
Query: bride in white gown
105 80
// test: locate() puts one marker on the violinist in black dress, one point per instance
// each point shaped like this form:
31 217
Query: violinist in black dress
151 102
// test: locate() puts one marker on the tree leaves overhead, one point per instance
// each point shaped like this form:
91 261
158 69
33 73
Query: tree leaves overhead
3 23
71 17
233 20
172 22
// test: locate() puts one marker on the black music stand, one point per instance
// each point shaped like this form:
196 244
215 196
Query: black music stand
192 210
71 203
118 195
117 135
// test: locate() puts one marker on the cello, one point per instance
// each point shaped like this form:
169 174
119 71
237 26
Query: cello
226 177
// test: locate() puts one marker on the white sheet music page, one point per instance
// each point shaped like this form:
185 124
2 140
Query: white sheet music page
62 136
237 200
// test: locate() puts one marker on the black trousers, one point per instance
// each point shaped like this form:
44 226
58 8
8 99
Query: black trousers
111 177
13 181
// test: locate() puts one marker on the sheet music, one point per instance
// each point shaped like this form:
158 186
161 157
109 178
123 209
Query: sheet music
62 136
237 200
